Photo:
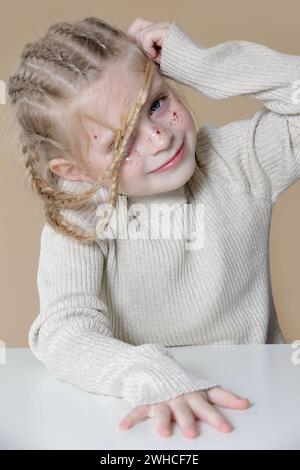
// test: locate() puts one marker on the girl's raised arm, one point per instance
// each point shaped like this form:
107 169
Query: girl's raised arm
262 154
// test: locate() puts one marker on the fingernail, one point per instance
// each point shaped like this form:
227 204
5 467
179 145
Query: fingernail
191 432
124 424
164 431
225 427
248 401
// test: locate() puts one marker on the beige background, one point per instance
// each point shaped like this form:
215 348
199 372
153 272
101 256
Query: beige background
275 24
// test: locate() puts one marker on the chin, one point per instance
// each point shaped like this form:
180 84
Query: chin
183 177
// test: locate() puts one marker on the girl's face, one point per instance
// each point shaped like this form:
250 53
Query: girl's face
164 126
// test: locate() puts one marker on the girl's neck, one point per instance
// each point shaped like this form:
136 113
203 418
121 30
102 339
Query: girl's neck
178 195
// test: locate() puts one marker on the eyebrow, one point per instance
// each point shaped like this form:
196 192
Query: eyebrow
152 90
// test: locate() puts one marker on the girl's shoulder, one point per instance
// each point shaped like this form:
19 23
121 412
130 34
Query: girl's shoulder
213 140
222 152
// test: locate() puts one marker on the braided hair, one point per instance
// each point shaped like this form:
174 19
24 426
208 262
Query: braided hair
52 71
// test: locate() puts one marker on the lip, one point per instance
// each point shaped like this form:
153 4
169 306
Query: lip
171 162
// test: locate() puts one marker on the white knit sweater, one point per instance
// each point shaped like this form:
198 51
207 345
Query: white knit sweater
108 310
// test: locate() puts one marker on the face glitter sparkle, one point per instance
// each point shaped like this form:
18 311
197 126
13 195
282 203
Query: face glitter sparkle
163 124
174 118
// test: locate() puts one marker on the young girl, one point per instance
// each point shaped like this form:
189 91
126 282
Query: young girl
97 115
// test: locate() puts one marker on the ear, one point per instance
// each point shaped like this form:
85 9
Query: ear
67 170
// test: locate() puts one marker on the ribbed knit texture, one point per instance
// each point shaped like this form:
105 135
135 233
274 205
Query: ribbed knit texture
108 310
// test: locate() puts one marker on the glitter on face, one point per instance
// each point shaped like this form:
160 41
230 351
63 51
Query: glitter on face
140 146
174 118
137 152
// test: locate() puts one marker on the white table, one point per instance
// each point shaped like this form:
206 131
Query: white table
38 411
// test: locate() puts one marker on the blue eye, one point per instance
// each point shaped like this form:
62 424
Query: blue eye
157 100
164 97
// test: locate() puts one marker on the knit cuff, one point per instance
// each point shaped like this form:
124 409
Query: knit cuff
159 378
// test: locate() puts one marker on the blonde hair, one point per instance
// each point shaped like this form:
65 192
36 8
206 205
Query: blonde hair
53 70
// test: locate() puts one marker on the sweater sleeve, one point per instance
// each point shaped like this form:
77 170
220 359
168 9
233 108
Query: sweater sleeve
262 154
72 334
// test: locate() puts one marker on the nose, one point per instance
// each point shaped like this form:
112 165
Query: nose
159 139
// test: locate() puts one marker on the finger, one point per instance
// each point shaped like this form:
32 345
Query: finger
205 411
136 415
150 43
157 36
137 26
185 418
225 398
162 417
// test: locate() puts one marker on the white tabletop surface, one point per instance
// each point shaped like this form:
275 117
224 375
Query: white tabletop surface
37 411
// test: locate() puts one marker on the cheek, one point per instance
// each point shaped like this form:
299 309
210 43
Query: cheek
97 163
178 117
131 168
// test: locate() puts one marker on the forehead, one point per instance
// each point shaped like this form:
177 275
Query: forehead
116 92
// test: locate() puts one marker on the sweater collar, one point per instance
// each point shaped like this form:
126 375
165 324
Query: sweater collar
138 211
151 205
158 204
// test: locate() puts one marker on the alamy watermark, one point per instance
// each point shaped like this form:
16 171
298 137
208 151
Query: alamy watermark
2 92
2 352
160 220
295 358
296 93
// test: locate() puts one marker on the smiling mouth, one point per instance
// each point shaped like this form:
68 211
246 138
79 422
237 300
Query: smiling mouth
168 161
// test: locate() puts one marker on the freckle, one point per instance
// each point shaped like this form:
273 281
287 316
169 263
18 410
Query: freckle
175 116
136 151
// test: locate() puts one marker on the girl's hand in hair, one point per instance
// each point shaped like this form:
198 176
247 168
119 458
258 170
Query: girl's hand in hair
185 409
149 36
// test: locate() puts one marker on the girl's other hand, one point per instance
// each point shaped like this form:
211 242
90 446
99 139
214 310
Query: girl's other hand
185 409
149 36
